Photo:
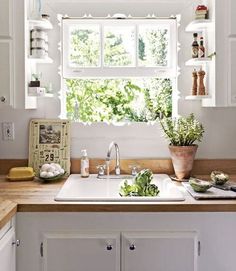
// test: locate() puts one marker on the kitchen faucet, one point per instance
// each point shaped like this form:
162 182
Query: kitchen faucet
108 159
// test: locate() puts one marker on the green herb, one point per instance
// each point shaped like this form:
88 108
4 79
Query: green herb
141 187
183 131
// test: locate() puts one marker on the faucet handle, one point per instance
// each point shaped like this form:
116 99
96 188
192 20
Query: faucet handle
134 169
101 170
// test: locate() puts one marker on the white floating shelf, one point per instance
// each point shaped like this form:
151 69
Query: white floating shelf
41 24
45 60
198 61
198 25
197 97
48 95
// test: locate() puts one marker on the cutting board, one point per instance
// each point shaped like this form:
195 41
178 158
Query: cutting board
212 193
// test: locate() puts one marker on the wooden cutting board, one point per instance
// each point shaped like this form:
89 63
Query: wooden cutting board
212 193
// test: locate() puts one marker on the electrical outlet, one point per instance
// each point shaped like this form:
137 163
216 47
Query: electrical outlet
8 131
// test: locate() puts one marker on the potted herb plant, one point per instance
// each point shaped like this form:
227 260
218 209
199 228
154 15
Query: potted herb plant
182 133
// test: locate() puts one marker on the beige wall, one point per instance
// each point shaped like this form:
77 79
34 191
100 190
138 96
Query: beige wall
135 140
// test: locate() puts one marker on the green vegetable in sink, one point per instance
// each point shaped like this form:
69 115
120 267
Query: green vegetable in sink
127 190
144 177
141 186
151 190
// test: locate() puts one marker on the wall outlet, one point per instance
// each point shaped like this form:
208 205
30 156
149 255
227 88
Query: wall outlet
8 131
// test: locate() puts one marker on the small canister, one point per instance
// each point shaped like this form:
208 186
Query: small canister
39 34
38 43
38 52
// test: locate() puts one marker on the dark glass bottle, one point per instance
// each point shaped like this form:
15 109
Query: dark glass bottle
201 50
195 46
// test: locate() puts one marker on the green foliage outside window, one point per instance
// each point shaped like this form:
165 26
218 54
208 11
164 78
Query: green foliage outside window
118 99
140 100
84 49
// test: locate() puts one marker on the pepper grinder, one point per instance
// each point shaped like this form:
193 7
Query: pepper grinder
194 86
201 90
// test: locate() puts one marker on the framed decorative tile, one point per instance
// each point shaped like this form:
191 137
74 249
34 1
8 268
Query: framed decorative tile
49 142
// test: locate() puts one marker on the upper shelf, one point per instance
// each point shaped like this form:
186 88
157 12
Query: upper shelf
41 24
43 60
198 25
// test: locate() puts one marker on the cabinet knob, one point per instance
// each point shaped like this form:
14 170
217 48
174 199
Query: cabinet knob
3 99
16 242
132 247
109 247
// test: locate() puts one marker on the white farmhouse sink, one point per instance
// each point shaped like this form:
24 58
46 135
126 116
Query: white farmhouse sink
93 189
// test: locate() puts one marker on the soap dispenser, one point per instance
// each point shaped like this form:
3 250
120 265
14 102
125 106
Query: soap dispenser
84 169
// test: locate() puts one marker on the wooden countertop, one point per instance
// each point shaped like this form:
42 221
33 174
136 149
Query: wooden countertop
7 211
34 196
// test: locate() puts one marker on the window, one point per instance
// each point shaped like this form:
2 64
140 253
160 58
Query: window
118 70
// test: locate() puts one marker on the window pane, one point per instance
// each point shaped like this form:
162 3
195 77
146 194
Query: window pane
139 99
84 47
153 46
119 46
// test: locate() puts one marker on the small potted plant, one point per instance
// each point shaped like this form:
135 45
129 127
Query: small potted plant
182 133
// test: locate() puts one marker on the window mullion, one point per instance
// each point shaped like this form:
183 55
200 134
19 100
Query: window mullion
102 45
136 47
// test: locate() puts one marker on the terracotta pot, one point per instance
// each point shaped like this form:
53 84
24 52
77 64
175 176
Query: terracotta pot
182 159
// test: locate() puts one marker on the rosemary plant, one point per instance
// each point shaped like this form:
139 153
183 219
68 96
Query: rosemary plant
183 131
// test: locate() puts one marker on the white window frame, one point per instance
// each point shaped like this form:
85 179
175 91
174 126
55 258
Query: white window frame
120 72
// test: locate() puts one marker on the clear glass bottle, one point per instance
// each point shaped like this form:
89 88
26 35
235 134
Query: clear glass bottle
35 9
84 169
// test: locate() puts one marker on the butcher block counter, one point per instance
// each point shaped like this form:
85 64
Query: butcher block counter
35 196
7 211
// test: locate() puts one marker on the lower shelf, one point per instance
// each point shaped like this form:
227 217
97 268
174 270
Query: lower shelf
197 97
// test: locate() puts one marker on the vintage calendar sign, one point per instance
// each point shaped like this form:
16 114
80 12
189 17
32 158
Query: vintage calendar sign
49 143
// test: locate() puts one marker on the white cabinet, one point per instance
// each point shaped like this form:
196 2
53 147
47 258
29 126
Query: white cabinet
13 55
7 248
232 8
101 251
160 251
6 18
232 70
189 241
81 251
231 50
6 54
6 73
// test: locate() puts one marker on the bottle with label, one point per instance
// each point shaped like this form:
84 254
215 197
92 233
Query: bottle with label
195 46
201 50
84 164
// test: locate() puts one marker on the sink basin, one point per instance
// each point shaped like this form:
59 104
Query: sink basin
93 189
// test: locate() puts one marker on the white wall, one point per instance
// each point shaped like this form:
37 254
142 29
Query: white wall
135 140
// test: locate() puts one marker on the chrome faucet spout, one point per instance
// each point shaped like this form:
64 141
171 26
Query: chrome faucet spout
117 167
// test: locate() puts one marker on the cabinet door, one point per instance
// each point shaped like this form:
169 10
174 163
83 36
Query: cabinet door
159 251
6 73
7 251
6 10
232 9
232 71
83 252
